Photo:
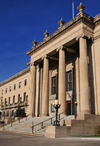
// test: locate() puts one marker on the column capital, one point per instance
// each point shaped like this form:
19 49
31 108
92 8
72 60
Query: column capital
45 56
82 36
61 48
33 63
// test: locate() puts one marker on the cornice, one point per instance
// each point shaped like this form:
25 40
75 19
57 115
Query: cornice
15 76
96 18
80 16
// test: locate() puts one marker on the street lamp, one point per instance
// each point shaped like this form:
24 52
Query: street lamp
56 105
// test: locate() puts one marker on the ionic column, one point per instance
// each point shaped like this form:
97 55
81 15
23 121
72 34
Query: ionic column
61 81
32 90
37 91
45 93
84 82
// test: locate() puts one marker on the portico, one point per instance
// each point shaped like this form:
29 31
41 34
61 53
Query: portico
67 48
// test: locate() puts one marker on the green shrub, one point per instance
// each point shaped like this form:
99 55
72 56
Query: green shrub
98 130
20 112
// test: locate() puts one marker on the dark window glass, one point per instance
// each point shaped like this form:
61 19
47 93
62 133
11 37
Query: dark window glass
25 82
5 101
13 99
7 113
19 84
52 108
9 100
10 88
69 81
24 96
2 92
12 112
14 86
18 97
6 90
53 85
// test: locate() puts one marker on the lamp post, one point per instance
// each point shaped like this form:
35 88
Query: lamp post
56 105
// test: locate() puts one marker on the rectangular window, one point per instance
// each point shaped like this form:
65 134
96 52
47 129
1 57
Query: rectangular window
14 99
24 96
52 108
53 85
2 92
69 81
5 101
18 97
6 90
25 82
7 113
14 86
9 100
10 88
12 112
19 84
3 113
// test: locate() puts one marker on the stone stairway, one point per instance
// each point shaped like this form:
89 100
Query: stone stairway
26 123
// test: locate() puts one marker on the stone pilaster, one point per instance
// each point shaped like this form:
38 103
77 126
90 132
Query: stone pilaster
32 90
45 93
61 81
84 82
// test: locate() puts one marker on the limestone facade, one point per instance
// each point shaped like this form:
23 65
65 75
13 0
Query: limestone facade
64 66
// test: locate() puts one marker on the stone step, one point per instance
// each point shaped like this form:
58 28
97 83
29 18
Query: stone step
25 125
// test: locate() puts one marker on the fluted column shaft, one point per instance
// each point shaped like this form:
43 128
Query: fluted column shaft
45 93
61 80
84 82
32 90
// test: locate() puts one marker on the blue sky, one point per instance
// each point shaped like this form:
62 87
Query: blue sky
22 21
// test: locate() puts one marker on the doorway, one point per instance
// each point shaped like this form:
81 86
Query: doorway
68 107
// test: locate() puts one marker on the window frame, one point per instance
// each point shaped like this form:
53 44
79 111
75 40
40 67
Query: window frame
19 84
14 86
13 98
52 108
10 89
53 87
69 81
25 82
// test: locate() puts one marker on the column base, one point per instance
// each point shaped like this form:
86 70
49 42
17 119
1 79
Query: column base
43 115
62 113
81 116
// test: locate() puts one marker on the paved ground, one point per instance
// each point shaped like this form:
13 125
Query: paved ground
14 139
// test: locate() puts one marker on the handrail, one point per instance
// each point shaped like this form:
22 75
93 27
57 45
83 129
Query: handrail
16 121
45 121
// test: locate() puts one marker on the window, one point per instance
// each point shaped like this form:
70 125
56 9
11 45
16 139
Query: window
5 101
19 84
7 113
10 88
12 112
25 82
2 92
14 86
53 85
69 81
6 90
14 99
3 113
52 108
18 97
24 96
9 100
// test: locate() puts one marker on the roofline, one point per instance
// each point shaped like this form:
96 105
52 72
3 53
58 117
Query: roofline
60 30
15 76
